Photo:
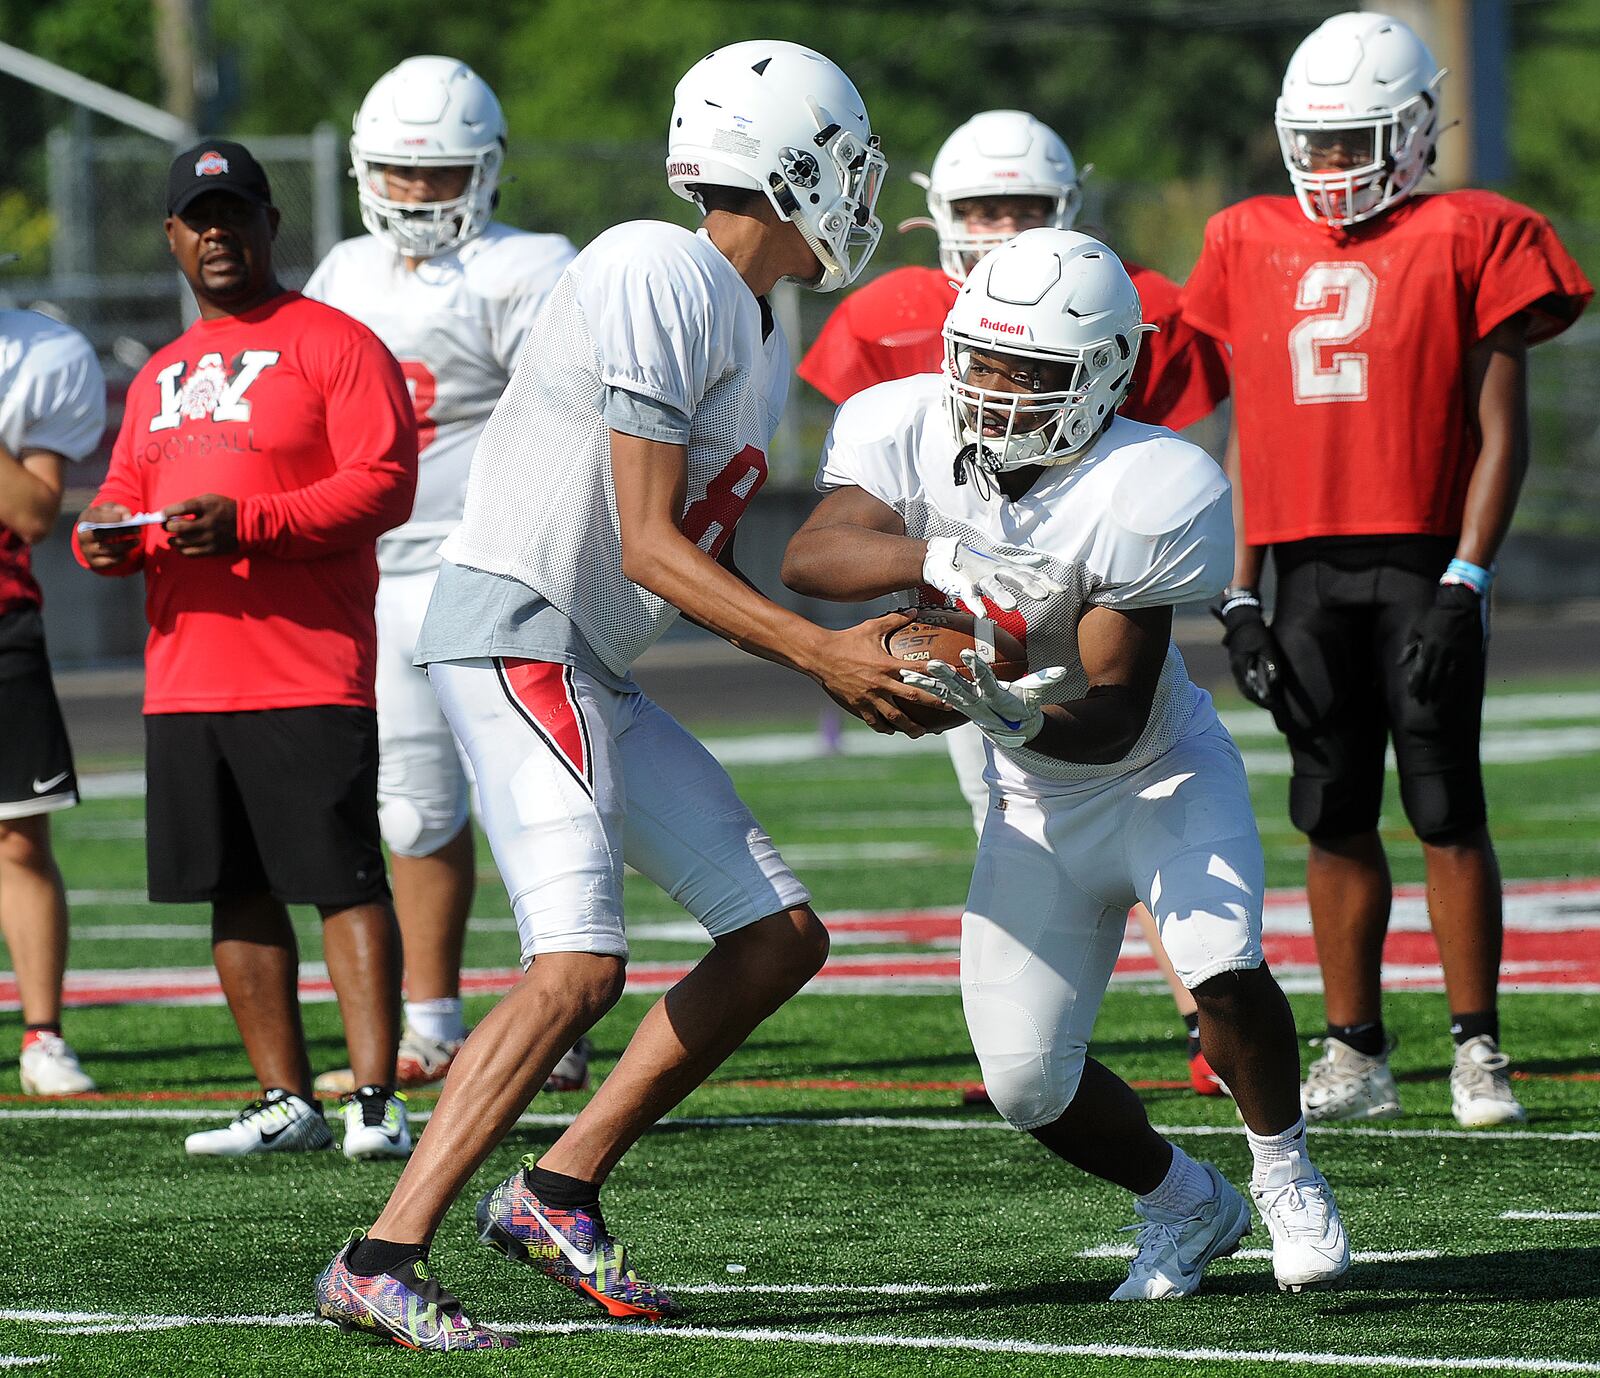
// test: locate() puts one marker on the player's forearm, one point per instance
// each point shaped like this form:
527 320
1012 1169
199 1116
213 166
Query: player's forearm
850 564
1248 560
1097 730
28 505
1499 370
675 569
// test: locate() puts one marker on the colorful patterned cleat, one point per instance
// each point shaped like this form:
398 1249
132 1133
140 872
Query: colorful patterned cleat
408 1306
570 1246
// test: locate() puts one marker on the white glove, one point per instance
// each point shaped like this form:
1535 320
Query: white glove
1009 714
968 575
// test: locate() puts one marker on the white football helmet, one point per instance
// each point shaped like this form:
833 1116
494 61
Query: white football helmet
997 153
782 119
1367 83
1053 297
428 112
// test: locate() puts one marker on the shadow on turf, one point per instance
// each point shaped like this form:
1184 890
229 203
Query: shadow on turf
1511 1275
1541 1275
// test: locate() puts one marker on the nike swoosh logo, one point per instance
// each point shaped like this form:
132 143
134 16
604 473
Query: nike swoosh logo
583 1262
40 786
267 1138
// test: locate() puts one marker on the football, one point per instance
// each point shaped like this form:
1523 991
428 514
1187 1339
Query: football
943 634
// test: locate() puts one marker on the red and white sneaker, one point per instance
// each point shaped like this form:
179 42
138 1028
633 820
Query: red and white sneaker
419 1062
50 1068
1202 1080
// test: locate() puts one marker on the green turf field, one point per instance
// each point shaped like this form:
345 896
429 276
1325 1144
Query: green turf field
928 1239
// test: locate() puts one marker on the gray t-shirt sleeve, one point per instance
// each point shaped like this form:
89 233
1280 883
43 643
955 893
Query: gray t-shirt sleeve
649 419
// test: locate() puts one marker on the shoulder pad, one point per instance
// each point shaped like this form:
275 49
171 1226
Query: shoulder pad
1164 484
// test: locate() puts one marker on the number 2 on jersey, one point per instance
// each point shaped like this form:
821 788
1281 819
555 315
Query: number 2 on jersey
424 392
727 495
1340 298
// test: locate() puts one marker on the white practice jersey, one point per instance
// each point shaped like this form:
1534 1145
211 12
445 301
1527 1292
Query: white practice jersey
1142 519
455 324
652 332
52 393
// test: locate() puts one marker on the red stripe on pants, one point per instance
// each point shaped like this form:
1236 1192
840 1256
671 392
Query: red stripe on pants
541 688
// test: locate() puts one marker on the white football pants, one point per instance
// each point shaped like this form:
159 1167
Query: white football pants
1056 875
423 786
575 778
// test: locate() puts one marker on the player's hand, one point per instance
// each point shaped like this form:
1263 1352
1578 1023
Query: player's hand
104 549
1446 643
1009 713
206 525
1253 652
968 575
864 679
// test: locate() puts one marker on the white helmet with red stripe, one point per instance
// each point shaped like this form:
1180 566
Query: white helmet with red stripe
1048 297
1358 118
781 119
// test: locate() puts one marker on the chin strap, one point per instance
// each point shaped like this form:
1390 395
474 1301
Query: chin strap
967 463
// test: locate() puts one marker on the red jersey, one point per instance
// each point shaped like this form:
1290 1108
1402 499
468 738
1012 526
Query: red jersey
891 329
300 414
1350 352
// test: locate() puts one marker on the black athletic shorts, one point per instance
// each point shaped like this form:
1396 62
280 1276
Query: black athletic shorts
36 772
281 801
1346 607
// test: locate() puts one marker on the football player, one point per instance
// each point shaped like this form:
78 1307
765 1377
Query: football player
452 293
602 502
1000 173
52 413
1380 438
1113 779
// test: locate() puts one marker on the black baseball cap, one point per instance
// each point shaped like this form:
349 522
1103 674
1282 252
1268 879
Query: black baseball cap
216 165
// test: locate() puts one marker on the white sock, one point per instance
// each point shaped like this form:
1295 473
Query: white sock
439 1019
1185 1188
1268 1149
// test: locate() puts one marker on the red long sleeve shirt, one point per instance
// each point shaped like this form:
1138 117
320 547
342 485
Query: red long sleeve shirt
301 415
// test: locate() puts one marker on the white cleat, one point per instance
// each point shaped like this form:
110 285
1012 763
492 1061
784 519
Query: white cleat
375 1124
1480 1086
419 1062
280 1122
1346 1085
1173 1251
50 1068
572 1072
1309 1245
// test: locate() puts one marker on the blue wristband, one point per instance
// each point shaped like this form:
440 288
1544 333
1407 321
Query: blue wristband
1475 577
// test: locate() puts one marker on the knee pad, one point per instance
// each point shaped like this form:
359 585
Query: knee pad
1323 808
1031 1083
1443 808
417 828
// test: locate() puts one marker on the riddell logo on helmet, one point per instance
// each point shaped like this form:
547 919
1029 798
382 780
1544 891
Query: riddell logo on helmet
683 169
1316 105
999 327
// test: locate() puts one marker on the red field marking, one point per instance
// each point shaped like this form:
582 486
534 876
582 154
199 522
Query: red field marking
1552 942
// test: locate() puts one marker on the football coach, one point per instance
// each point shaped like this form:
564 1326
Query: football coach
261 455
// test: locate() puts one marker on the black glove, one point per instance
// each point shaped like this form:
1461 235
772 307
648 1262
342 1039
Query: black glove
1253 652
1447 642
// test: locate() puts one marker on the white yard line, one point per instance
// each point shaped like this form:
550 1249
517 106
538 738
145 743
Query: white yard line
83 1323
1550 1215
26 1360
916 1125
